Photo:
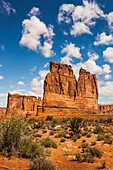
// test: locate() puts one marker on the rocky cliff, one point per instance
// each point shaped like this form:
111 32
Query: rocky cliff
22 105
62 91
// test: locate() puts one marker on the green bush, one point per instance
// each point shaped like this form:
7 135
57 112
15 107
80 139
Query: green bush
44 131
99 130
103 165
76 124
47 142
88 135
50 118
10 134
100 137
94 151
38 135
30 149
84 145
84 157
93 143
62 140
74 138
41 164
108 139
51 133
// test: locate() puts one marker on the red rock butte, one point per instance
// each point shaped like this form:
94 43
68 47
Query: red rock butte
62 93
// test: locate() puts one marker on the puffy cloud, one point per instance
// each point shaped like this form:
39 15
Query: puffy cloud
82 16
0 65
108 54
1 77
65 9
91 66
37 84
103 39
7 8
93 56
33 32
34 12
79 28
71 51
109 18
107 76
21 83
106 69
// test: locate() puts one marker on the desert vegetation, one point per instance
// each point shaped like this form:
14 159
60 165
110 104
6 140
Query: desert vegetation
36 139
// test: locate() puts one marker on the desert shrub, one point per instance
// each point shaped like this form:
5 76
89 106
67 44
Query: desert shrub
71 133
85 128
84 145
83 141
103 164
38 135
74 138
41 164
99 130
10 134
39 124
108 139
28 148
78 136
47 142
31 121
62 140
50 118
51 133
76 124
84 133
79 157
87 157
94 151
61 133
93 143
88 135
44 131
100 137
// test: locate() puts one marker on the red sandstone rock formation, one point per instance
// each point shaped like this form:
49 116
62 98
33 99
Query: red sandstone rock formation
22 105
62 91
106 108
2 110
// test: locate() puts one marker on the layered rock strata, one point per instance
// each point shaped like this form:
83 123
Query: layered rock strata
106 108
23 105
63 92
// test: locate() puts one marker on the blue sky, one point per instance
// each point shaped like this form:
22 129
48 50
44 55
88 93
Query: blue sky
35 32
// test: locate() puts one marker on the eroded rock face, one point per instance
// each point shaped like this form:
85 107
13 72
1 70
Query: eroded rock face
61 90
22 105
106 108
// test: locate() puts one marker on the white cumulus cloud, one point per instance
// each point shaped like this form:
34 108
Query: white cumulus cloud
34 12
81 17
34 30
104 39
71 51
108 54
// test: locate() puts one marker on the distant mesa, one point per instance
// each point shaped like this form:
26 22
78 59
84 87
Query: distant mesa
62 94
